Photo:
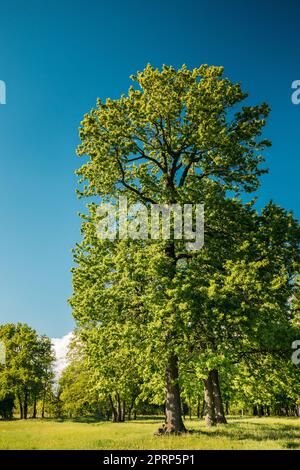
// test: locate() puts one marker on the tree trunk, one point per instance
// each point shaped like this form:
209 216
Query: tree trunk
173 423
123 410
173 414
210 417
21 407
34 409
202 411
43 406
44 400
119 414
198 407
130 408
219 408
113 409
25 408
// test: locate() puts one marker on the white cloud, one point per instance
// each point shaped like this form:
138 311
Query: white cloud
60 346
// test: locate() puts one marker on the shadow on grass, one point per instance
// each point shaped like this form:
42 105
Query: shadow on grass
240 431
151 419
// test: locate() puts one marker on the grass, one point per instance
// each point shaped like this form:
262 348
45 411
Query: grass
241 433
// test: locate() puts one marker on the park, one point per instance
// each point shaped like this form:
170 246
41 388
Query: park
162 329
150 242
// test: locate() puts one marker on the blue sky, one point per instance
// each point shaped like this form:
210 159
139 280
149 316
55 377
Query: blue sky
57 57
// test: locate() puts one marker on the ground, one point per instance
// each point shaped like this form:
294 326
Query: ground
240 433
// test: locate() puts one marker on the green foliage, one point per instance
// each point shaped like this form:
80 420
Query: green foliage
28 366
182 136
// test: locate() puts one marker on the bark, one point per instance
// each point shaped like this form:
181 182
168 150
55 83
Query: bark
21 407
44 399
174 423
34 409
113 409
217 395
202 411
24 405
210 417
25 408
43 406
130 408
119 414
198 407
173 411
123 410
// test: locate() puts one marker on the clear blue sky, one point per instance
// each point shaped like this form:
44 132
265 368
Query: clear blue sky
57 57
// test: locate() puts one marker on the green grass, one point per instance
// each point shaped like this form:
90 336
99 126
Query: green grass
240 433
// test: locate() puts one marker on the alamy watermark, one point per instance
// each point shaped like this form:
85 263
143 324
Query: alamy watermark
2 92
295 97
2 353
296 353
157 222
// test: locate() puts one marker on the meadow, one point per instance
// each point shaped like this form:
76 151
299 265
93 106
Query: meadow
241 433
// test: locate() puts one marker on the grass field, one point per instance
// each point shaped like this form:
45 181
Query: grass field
240 433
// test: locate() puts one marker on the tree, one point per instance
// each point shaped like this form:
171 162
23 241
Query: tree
76 393
28 364
173 140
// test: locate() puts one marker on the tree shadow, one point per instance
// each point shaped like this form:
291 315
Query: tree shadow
240 431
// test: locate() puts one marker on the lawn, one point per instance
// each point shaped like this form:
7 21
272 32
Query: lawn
240 433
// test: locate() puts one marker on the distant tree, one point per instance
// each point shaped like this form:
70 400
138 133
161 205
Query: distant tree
7 405
75 388
29 358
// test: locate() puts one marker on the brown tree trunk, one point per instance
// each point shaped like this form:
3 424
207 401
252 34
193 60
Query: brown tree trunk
34 409
25 408
21 407
119 414
210 417
198 407
123 410
130 408
219 408
173 410
113 409
43 406
173 423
